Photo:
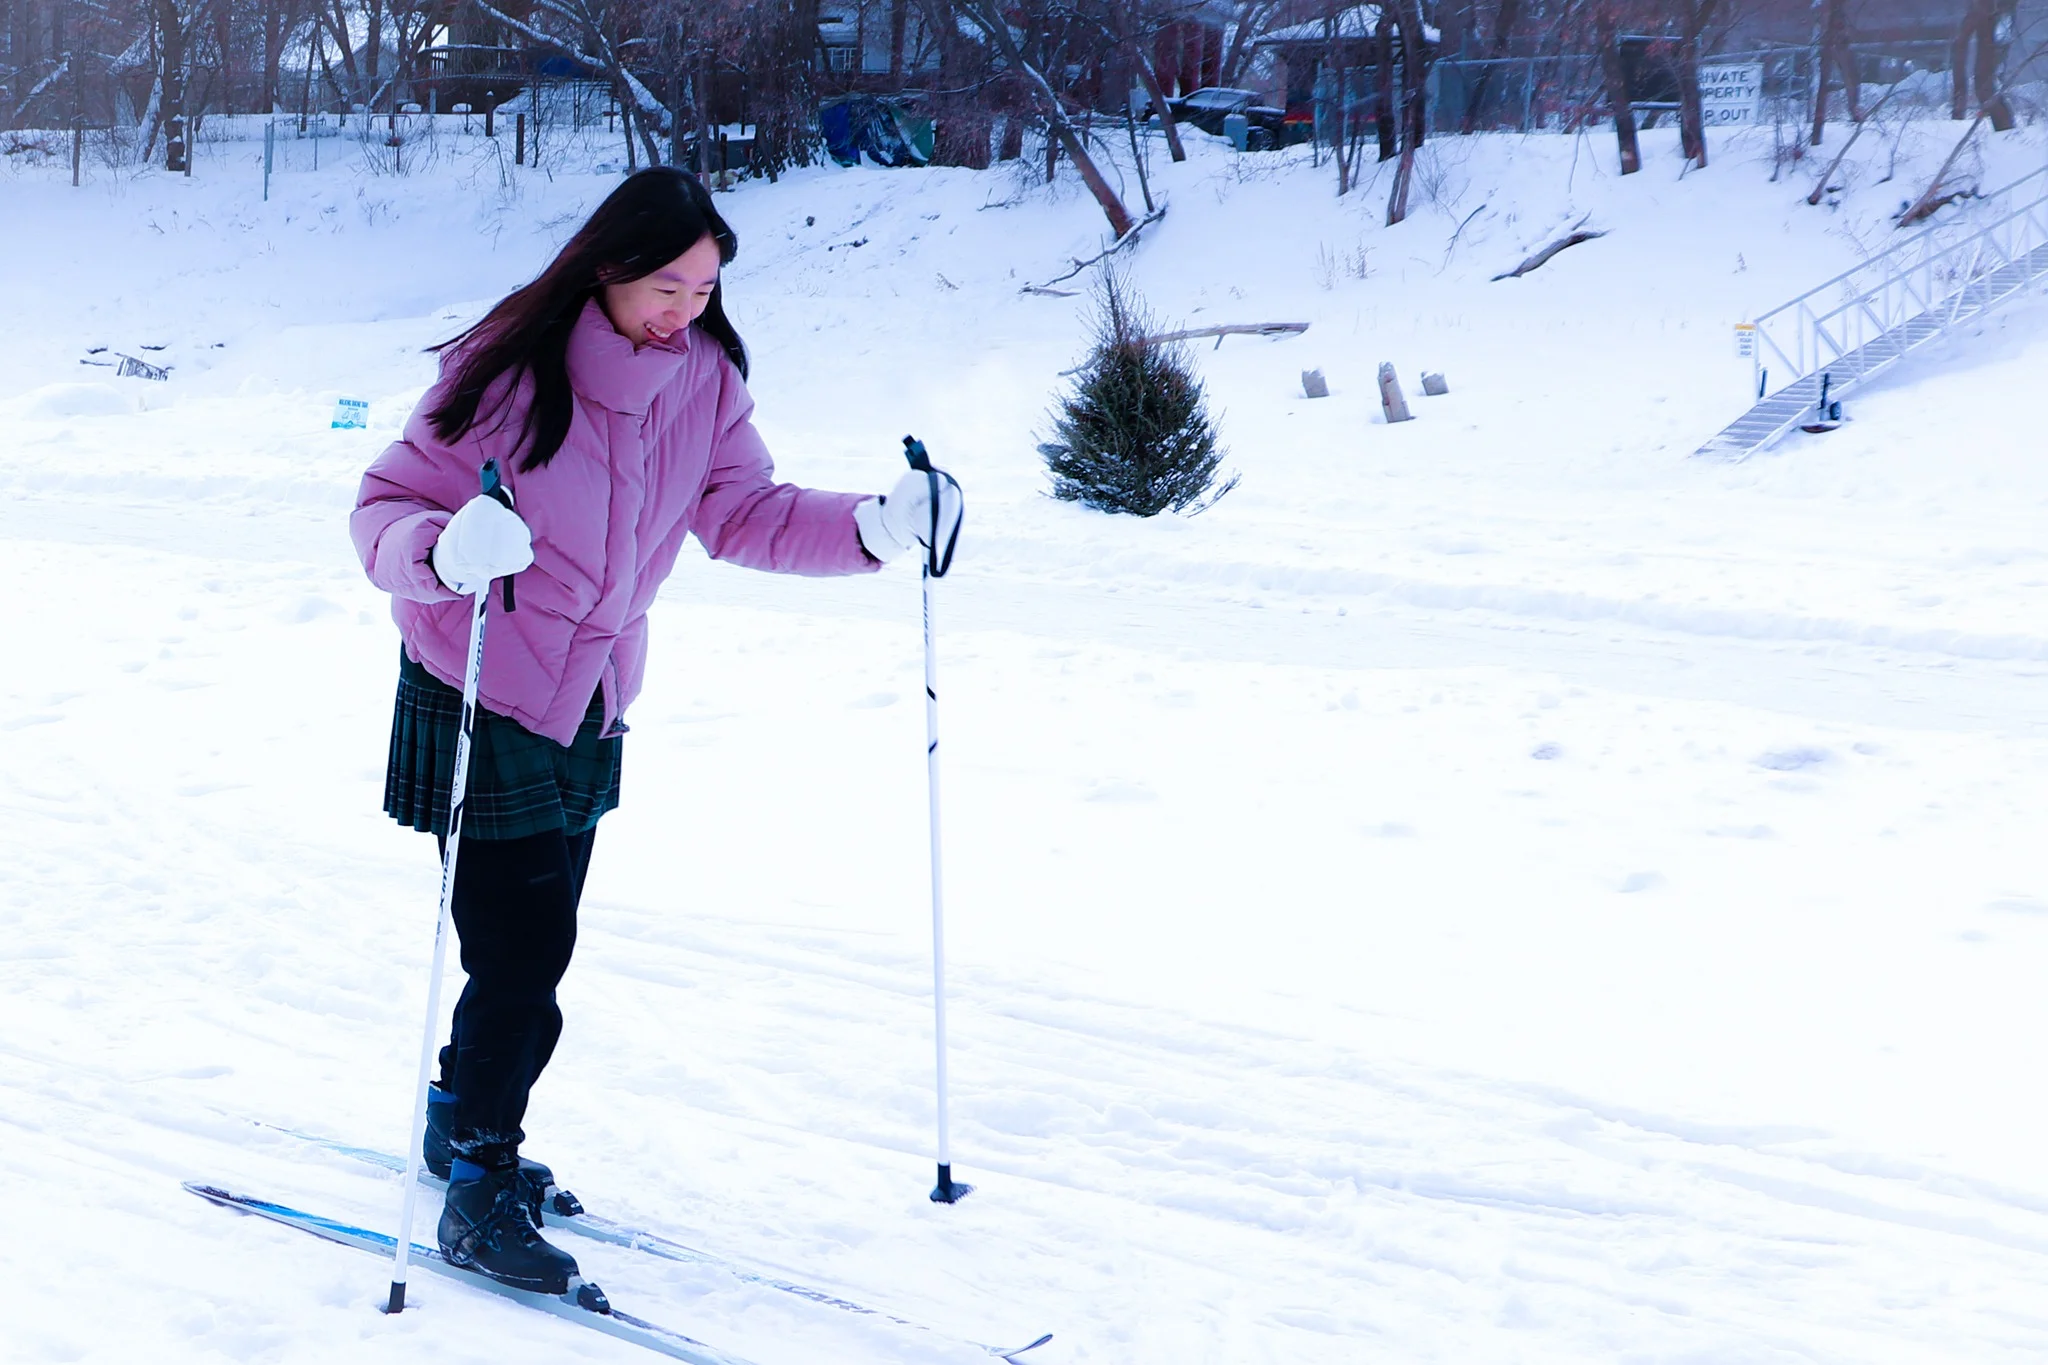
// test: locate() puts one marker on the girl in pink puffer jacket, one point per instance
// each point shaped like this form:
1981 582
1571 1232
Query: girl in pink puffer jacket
611 390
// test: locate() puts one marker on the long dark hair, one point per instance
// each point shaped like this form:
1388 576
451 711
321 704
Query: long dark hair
649 220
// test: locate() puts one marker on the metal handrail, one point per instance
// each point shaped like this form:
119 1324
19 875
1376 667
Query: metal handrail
1896 249
1917 288
1918 282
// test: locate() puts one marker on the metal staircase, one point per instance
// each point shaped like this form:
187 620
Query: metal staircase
1900 299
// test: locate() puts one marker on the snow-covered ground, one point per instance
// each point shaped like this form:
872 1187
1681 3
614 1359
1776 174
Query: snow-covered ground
1492 889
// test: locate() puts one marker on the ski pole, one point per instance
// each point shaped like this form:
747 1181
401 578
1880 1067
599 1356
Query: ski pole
458 787
936 561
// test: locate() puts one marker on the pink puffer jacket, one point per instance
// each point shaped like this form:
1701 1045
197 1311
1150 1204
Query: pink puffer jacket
660 446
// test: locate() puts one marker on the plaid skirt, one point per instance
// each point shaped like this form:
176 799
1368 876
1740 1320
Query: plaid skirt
520 783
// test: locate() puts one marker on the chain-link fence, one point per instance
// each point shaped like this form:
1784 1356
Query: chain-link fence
1565 93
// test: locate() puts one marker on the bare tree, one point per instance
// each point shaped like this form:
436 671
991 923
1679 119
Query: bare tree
353 68
1253 18
1414 48
174 25
1133 28
597 32
280 22
1334 83
989 17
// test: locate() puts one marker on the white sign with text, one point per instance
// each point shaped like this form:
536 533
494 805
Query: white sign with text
1732 94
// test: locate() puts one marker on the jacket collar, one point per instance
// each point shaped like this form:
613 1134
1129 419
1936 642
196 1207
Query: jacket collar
604 367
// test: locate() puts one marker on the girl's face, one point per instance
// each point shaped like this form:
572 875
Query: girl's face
657 306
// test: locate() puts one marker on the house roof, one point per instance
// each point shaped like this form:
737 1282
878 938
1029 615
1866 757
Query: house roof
1360 23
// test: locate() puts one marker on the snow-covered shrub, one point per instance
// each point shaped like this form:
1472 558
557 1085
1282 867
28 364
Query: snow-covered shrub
1134 435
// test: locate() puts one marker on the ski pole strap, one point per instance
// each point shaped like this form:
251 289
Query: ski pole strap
494 487
937 559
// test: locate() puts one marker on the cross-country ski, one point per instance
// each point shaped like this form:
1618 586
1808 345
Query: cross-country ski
566 1212
580 1303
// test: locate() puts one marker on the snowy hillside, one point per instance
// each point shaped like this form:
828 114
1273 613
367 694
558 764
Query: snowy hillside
1493 889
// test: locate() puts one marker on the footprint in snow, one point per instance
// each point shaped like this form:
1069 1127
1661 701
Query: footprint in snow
1793 760
1121 792
310 609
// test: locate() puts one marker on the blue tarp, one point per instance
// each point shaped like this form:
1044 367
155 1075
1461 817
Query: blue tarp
887 134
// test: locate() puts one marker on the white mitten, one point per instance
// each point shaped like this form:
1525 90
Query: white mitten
482 541
903 520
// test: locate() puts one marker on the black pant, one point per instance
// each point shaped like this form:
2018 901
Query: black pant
515 916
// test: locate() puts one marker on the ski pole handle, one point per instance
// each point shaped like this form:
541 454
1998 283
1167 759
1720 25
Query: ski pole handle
494 487
936 559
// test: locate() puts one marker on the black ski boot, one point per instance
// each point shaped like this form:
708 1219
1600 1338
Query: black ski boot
487 1226
537 1182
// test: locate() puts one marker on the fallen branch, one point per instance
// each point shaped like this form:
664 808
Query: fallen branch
1231 329
1263 329
1932 197
1118 245
1544 255
1049 293
1452 245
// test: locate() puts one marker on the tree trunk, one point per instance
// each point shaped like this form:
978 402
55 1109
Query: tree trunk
1150 80
1414 74
1959 69
960 125
1505 19
1826 52
1616 81
1692 119
1990 56
373 52
1845 65
274 23
171 72
1343 149
1383 81
225 46
702 90
1414 102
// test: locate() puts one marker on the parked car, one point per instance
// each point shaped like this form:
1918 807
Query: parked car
1208 107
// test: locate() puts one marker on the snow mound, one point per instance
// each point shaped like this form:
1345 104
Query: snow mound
59 402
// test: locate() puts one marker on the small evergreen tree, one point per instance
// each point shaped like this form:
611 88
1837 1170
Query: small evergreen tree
1134 435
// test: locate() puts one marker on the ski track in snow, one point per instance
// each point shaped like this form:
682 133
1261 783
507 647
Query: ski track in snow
1515 899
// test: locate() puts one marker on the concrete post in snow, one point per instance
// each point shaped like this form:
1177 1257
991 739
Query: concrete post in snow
1391 399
